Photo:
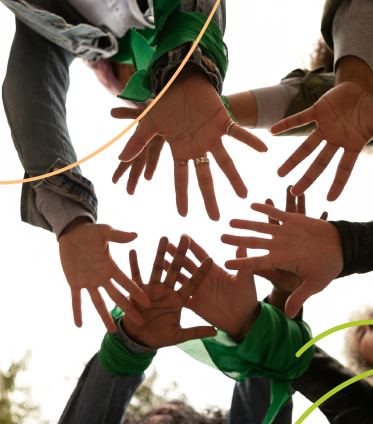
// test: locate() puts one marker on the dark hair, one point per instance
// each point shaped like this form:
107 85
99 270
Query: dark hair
184 414
322 56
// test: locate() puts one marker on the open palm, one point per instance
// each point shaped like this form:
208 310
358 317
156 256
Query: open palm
224 300
343 117
162 320
192 119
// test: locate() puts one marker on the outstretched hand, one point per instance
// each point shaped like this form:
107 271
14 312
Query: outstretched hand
344 120
226 301
286 281
162 320
192 119
310 248
88 264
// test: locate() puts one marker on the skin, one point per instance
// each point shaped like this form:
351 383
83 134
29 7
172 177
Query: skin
161 326
192 119
364 338
228 302
88 264
343 117
310 248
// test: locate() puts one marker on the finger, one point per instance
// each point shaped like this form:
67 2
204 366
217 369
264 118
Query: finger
300 295
324 216
155 149
101 308
345 167
265 273
247 138
135 270
291 205
76 301
303 151
117 297
227 166
190 286
315 170
122 168
241 252
158 266
259 227
270 220
131 287
294 121
136 170
135 145
177 263
118 236
188 264
248 242
301 207
181 188
202 332
206 186
126 113
260 262
182 278
271 211
197 251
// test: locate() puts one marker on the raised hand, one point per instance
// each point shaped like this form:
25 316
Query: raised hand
226 301
87 264
192 119
162 320
310 248
343 117
286 281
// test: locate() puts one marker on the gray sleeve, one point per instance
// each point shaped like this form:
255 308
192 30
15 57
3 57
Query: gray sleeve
273 102
353 30
59 210
131 346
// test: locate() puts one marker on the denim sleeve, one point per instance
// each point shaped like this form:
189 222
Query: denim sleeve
34 97
351 405
164 68
357 245
101 397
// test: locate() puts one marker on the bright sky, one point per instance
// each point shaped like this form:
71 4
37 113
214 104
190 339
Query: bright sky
266 39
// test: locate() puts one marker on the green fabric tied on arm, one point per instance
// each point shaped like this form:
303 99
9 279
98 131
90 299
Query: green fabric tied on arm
225 102
116 359
172 28
268 350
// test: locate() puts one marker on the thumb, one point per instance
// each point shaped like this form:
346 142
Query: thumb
118 236
265 273
299 296
202 332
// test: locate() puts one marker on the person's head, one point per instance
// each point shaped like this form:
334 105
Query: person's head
178 412
358 347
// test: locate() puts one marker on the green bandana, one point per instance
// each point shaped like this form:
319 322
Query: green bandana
116 359
172 28
268 350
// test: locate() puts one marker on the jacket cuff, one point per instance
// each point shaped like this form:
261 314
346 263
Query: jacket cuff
353 31
164 69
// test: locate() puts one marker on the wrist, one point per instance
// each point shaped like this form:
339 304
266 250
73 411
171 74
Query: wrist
354 69
190 69
131 336
278 298
248 326
77 222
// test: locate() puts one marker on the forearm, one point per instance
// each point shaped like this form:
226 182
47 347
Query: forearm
244 109
352 68
357 246
278 299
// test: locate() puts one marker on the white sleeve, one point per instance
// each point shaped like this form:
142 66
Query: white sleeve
273 102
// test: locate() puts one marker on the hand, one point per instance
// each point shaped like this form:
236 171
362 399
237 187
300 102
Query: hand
149 156
162 320
87 264
226 301
343 117
285 281
310 248
192 119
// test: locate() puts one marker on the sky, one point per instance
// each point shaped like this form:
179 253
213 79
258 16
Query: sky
266 41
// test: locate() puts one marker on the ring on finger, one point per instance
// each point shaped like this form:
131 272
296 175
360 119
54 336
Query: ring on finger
230 126
201 160
181 163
